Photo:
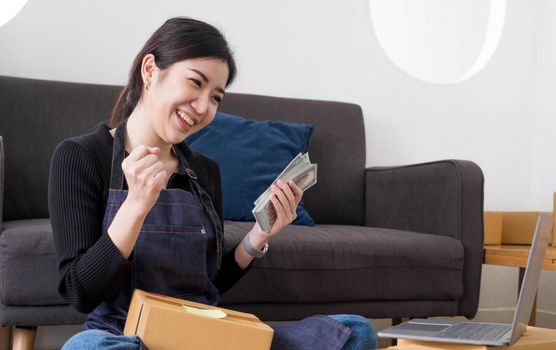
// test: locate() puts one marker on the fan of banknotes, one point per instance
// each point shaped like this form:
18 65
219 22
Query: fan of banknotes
302 172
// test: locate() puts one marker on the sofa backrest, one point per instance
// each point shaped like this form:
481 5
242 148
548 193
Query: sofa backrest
337 145
35 115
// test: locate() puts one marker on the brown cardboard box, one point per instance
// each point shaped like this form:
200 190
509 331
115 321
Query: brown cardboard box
519 227
493 228
513 227
554 222
163 323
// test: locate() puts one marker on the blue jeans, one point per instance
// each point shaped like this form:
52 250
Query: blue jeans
362 337
97 339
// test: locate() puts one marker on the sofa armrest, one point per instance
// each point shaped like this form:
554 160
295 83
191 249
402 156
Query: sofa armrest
444 198
1 181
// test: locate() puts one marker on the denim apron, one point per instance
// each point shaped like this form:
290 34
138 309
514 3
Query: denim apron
174 254
178 253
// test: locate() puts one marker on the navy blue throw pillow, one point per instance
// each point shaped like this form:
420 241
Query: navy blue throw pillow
251 154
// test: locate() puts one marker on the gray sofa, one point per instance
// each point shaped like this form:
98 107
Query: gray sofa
389 242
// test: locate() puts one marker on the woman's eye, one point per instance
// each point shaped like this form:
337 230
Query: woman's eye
217 99
196 82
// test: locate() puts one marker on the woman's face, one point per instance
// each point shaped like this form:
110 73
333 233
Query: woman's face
184 97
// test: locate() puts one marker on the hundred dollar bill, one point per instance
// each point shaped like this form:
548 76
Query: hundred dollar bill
299 163
306 179
291 165
302 172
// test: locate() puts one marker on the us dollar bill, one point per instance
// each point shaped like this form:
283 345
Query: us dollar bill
306 179
302 172
288 167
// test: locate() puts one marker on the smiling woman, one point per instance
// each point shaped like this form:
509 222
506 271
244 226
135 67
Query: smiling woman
133 207
181 99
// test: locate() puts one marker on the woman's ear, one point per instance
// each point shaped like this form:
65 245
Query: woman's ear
148 66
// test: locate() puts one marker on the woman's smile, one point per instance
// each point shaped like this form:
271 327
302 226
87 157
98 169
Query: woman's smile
186 121
183 115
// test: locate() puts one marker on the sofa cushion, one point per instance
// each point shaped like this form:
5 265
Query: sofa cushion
327 263
251 154
337 145
24 315
28 264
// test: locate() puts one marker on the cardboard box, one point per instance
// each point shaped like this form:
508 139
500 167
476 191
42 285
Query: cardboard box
163 323
554 222
493 228
512 227
519 227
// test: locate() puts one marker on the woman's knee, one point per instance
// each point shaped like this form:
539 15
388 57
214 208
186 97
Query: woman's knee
98 339
363 335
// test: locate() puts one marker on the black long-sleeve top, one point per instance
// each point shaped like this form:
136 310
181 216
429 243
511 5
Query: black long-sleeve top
89 263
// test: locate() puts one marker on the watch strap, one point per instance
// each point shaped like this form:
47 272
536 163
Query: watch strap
248 247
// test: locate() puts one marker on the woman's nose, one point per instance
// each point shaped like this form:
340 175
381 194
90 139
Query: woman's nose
200 104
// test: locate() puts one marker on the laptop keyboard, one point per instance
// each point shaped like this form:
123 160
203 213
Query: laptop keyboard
475 331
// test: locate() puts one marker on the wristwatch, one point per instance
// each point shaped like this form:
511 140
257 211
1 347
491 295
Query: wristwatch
252 250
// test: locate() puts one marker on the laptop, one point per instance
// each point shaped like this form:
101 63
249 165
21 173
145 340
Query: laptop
493 334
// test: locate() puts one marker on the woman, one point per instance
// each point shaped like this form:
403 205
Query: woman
132 206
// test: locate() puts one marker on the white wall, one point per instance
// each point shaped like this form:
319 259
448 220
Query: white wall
544 164
543 168
327 50
502 118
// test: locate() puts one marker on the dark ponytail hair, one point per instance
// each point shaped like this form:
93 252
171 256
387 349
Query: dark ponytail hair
176 40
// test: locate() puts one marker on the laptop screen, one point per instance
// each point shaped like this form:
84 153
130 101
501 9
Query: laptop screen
532 275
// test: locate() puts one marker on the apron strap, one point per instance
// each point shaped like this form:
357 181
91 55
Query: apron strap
207 204
118 155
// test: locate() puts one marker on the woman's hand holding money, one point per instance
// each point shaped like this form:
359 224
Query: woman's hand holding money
285 197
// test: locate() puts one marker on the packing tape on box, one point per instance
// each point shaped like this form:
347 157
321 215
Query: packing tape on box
215 313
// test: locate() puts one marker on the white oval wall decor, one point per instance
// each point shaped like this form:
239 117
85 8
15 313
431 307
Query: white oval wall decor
9 9
438 41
